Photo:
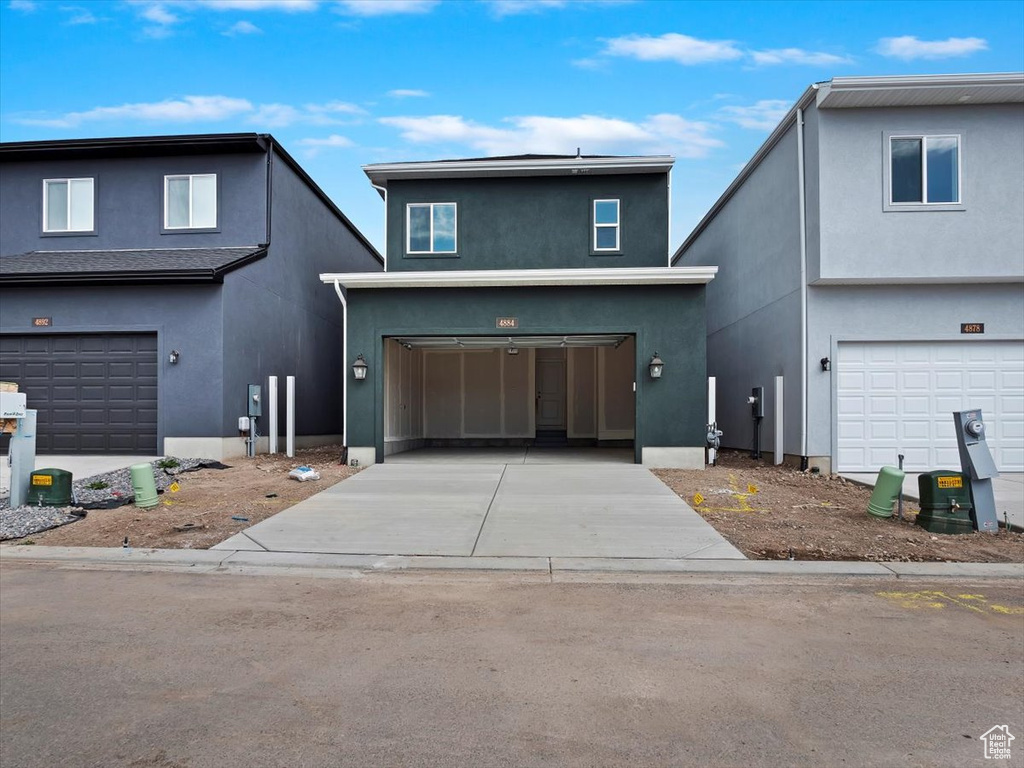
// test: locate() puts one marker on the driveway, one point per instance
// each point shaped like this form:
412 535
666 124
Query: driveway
584 509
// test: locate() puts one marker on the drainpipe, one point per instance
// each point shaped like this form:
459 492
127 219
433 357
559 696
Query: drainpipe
384 193
344 371
669 219
802 192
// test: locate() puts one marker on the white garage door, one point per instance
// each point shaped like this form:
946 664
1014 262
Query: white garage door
899 397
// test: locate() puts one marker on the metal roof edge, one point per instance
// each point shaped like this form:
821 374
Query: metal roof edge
254 141
523 277
773 138
917 81
383 171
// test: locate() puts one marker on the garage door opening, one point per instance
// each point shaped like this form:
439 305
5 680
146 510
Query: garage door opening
519 393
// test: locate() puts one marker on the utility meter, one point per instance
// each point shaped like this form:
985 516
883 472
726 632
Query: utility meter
255 400
756 402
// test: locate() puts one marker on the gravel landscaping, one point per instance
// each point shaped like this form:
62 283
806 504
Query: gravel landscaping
109 490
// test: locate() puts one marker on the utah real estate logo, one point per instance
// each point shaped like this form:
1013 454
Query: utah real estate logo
997 742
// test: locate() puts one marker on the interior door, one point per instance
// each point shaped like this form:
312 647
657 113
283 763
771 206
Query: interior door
550 393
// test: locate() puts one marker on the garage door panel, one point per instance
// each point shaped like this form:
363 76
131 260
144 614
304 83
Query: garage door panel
917 386
80 383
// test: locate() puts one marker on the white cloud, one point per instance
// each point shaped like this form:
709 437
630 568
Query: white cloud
515 7
909 47
334 140
335 107
25 6
797 56
289 6
242 28
408 93
158 14
682 49
189 109
761 116
78 15
384 7
562 135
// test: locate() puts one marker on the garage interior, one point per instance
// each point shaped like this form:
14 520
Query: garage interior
568 391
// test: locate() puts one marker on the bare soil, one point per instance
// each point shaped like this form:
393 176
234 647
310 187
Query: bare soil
777 513
200 513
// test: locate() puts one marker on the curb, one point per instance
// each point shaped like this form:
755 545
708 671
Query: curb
353 566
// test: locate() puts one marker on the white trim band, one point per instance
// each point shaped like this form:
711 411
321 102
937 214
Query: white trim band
523 277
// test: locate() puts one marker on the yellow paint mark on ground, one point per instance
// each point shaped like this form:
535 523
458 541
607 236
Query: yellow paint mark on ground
751 489
936 599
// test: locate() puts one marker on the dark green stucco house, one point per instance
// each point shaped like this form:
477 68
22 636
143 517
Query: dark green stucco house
523 300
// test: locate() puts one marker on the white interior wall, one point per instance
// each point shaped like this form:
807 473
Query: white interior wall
616 376
403 392
581 389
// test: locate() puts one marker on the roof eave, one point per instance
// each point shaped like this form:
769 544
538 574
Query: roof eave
523 278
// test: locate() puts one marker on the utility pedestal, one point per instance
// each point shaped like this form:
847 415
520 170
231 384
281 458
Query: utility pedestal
976 462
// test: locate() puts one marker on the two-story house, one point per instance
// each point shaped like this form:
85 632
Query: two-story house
872 256
146 282
526 299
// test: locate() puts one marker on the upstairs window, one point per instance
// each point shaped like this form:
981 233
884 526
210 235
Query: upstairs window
430 228
606 225
68 205
190 201
924 169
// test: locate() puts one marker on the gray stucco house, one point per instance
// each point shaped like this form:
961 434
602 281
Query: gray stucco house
146 282
523 302
871 253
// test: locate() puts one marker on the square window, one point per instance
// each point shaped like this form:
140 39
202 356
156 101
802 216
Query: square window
606 225
68 205
431 228
924 170
190 201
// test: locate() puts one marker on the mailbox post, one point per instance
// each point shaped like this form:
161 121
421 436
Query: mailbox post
976 462
23 443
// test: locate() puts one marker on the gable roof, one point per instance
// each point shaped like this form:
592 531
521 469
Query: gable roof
126 266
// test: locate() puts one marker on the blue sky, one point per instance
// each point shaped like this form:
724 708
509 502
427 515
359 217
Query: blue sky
341 83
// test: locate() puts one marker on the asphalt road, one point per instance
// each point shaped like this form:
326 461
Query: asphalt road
115 668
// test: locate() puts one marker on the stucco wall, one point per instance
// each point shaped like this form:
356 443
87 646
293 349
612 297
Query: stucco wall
535 223
186 318
862 240
129 198
665 319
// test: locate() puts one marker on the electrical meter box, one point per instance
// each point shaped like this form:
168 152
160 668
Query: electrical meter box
49 488
255 400
945 502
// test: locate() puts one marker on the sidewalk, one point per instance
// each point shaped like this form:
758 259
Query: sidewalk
1008 489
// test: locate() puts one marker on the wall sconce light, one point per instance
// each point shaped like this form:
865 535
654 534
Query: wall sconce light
359 368
173 357
656 366
826 364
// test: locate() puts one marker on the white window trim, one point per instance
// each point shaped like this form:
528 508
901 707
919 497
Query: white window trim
408 228
924 168
46 205
617 225
191 213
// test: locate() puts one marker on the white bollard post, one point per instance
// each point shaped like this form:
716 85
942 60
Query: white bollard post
780 421
272 413
289 444
712 407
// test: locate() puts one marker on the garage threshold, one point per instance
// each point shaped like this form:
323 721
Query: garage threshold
513 455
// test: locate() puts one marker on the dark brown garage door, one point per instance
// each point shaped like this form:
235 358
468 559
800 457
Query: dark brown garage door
95 393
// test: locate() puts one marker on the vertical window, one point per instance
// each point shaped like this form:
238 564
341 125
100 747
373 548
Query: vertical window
606 225
68 205
924 169
430 228
190 201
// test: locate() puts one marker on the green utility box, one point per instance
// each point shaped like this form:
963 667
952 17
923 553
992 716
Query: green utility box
945 502
49 488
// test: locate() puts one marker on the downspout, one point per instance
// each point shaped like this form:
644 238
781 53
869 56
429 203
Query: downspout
270 184
384 193
802 192
344 371
669 218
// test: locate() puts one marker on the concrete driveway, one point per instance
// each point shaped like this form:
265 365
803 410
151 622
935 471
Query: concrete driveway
606 510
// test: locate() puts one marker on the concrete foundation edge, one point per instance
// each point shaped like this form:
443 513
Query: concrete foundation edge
231 447
674 457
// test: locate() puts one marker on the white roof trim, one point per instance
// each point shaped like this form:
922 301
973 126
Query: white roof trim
382 172
523 277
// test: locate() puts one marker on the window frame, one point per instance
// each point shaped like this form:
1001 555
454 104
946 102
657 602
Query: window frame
924 204
408 229
46 207
166 227
595 226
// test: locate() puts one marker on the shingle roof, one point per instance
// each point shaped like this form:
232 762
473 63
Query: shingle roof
126 266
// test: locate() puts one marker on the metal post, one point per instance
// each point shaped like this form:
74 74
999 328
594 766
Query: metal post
23 457
899 497
272 415
780 421
712 418
289 439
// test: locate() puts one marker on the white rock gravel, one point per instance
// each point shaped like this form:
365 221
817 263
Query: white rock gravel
18 522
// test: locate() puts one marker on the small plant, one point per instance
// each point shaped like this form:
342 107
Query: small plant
168 463
98 485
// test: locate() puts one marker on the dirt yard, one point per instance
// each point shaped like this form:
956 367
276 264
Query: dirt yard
774 513
200 514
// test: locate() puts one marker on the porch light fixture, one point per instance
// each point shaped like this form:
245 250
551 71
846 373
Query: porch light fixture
173 357
513 350
359 368
656 366
826 364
